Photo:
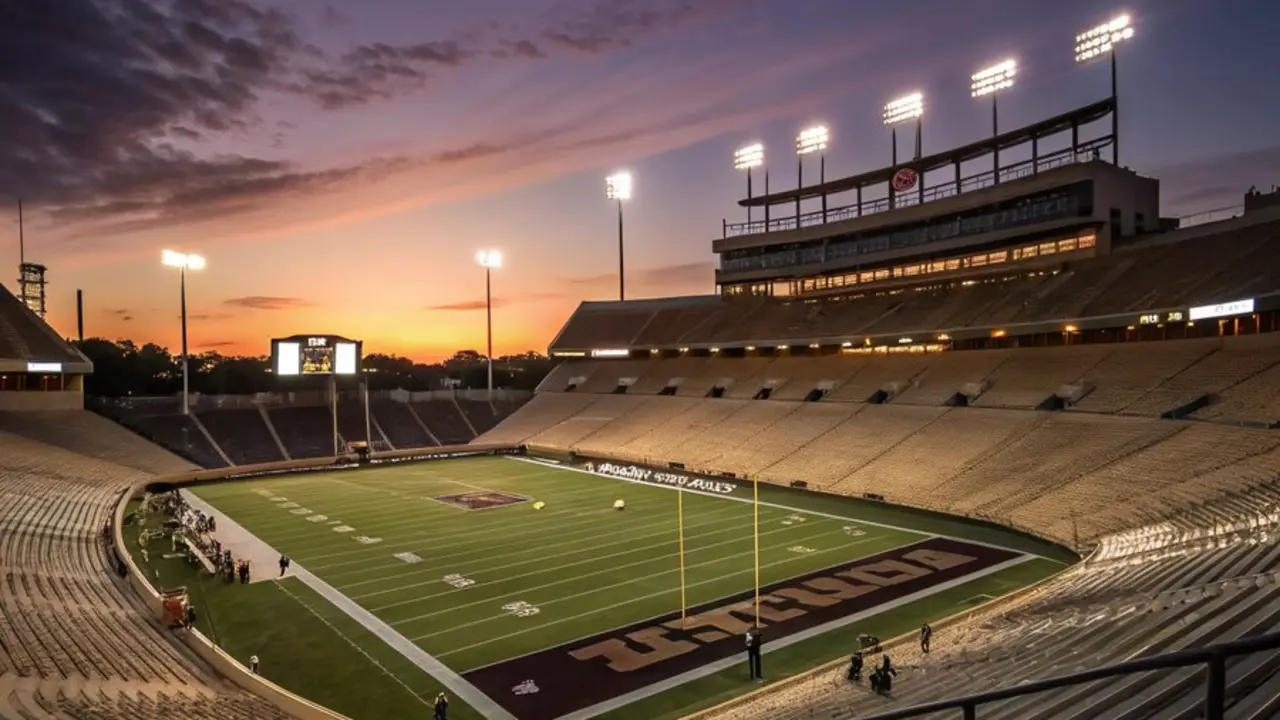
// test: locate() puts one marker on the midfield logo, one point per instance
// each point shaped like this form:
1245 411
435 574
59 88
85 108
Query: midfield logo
481 499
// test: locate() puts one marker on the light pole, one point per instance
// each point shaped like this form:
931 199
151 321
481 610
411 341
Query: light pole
184 262
812 140
490 260
618 187
896 112
1093 44
745 158
990 81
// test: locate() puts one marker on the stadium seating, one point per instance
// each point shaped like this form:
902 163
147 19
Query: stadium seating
243 434
305 432
481 415
445 421
73 644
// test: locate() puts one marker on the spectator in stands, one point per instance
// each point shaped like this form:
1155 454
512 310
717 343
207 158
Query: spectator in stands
887 674
754 641
284 564
253 664
442 707
855 667
926 634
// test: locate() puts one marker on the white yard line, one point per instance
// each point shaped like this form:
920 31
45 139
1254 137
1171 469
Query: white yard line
416 655
473 572
788 507
629 601
575 578
715 667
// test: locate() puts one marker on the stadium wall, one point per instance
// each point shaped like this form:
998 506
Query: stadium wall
226 665
41 401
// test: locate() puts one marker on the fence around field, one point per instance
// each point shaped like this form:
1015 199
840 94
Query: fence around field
225 664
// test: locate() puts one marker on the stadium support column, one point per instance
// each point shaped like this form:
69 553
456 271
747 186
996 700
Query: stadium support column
995 133
1115 112
368 422
622 266
799 186
766 205
822 183
333 409
488 325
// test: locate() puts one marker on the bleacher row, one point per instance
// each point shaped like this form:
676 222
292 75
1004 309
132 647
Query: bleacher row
1237 379
1183 515
1241 259
73 641
244 436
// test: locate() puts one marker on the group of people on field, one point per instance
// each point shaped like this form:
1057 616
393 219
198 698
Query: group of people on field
881 677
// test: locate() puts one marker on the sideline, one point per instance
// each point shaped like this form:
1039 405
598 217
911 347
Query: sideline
872 523
458 685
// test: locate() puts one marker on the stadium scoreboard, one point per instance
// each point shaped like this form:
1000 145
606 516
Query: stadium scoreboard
315 355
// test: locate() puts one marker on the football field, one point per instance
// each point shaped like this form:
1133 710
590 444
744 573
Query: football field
522 578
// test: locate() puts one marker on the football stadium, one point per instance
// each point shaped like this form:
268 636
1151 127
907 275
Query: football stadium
1002 444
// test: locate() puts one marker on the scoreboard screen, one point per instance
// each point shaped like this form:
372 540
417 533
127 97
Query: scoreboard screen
315 355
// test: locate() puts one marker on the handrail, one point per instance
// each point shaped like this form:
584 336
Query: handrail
1213 657
985 179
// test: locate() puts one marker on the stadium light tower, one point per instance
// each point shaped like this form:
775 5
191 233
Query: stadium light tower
490 260
745 158
896 112
184 262
992 81
618 187
809 141
1102 41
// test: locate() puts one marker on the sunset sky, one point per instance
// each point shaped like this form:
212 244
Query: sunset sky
339 163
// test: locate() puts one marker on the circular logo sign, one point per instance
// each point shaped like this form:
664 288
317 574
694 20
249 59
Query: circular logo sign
905 179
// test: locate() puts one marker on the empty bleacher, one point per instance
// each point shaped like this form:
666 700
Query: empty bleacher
305 432
1029 378
72 643
482 415
445 421
1237 360
243 435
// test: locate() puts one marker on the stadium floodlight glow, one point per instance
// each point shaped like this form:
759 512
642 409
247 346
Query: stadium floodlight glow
184 261
812 140
991 80
749 156
618 186
908 107
489 258
1103 39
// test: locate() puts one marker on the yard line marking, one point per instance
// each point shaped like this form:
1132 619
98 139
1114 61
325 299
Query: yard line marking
715 667
472 571
539 527
800 510
457 684
541 571
624 603
531 531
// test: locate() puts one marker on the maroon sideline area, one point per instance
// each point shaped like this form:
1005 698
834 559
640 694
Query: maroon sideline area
581 674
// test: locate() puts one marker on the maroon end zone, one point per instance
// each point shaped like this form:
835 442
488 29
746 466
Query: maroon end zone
551 683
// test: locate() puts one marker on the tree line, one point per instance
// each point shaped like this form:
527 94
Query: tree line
122 368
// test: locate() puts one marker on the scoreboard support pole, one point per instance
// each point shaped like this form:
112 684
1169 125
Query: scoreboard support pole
333 399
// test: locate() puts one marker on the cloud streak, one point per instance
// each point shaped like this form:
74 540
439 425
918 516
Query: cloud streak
269 303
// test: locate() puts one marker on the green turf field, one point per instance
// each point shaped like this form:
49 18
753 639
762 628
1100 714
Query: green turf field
482 586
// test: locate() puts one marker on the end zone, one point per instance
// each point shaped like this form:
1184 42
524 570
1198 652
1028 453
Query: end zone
595 674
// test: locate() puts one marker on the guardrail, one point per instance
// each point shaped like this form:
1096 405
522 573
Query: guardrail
1213 657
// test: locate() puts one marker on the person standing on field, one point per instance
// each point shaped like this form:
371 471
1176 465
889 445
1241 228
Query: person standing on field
754 640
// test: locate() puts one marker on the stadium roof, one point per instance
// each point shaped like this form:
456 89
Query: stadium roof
1013 138
25 338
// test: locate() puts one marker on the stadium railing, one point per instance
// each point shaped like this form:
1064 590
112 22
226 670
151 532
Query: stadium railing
1213 657
226 665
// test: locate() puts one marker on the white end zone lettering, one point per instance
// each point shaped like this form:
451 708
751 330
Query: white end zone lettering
635 473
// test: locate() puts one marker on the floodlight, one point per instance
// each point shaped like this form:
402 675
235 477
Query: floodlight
186 261
1101 40
989 81
745 158
812 140
490 258
904 108
618 186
